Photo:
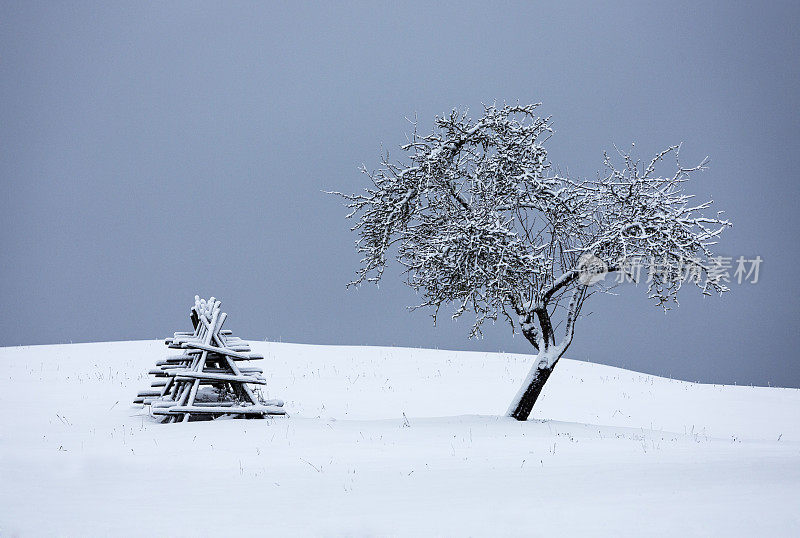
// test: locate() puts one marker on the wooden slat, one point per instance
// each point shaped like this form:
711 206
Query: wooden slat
176 360
220 410
208 331
217 377
238 348
227 370
223 351
196 404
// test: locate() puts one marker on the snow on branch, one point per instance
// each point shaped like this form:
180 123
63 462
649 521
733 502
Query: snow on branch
478 219
639 214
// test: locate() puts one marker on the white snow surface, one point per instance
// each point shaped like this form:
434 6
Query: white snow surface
392 441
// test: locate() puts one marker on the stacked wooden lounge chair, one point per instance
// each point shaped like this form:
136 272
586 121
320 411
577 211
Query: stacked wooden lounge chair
206 381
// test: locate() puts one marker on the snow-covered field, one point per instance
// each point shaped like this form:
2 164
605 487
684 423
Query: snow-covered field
392 441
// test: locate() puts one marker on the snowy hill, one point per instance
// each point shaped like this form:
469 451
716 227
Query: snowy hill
392 441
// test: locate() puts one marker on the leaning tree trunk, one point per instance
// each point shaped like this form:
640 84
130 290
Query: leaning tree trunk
528 394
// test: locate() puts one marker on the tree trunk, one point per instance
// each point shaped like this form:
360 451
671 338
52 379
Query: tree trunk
523 404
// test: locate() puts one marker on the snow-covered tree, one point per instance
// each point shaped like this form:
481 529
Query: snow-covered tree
479 219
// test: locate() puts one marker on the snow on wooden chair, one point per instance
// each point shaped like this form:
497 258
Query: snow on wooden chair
205 381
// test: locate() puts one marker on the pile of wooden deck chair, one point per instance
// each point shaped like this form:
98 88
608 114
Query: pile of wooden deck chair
206 381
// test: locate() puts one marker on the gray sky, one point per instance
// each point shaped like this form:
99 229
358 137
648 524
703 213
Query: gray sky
151 152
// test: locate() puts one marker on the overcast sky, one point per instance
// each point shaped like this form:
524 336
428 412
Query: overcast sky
154 151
